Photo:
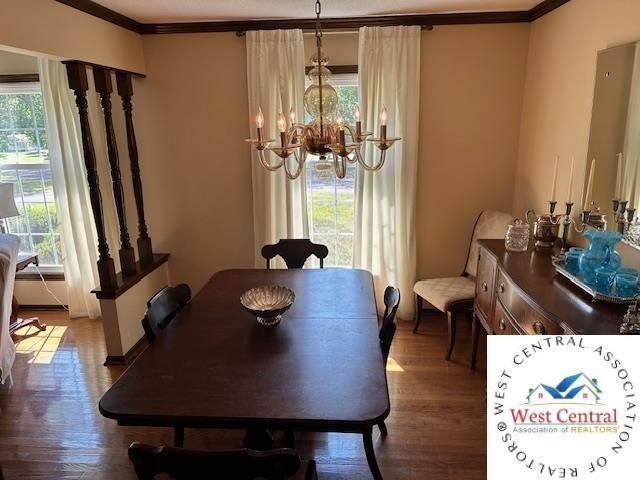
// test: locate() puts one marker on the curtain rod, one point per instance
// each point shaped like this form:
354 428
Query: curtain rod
328 31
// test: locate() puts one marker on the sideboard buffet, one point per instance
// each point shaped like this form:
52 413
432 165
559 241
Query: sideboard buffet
519 293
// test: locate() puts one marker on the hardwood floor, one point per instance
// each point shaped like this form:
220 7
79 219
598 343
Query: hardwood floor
50 427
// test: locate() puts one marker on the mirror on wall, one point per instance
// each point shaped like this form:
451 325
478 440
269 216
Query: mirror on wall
614 142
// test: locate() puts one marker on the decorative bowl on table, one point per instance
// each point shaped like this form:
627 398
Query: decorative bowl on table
267 303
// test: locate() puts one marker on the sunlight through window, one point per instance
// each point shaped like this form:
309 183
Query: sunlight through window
393 366
41 346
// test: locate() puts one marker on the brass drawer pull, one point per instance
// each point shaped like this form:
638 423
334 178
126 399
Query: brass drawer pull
502 324
501 287
485 287
538 327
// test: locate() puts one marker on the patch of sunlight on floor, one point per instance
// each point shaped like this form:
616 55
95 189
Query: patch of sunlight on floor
393 366
41 345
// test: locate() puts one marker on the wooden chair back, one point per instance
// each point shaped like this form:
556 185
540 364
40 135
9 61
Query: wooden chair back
388 327
295 252
163 306
242 464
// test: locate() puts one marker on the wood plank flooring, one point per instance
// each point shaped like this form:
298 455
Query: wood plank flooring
50 427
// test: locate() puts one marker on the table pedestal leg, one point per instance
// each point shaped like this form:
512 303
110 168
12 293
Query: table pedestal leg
371 455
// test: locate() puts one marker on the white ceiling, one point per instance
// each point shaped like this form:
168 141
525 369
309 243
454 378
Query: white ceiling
158 11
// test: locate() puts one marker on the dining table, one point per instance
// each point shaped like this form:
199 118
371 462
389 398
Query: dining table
319 370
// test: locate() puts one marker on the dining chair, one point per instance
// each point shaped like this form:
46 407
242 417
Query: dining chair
454 295
388 329
161 309
163 306
241 464
295 252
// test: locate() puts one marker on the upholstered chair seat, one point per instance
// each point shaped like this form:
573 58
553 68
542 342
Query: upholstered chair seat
454 295
444 292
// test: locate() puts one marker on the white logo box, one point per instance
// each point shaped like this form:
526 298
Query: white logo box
563 406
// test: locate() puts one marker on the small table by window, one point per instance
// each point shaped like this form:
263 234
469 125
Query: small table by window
24 260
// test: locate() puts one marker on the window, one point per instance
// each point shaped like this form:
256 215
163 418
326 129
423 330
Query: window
330 201
24 161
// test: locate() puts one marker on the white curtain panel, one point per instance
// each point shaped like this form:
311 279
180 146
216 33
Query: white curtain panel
275 78
384 237
78 233
631 152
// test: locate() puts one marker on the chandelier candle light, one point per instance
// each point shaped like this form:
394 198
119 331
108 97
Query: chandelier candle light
327 136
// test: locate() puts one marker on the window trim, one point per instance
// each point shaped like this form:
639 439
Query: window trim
25 87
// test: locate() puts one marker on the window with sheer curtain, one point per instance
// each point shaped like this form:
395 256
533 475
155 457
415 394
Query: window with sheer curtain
330 201
24 161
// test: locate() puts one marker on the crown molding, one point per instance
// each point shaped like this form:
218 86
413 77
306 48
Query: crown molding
106 14
427 20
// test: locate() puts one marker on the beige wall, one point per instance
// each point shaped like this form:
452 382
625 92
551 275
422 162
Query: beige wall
191 118
52 28
559 90
13 63
470 108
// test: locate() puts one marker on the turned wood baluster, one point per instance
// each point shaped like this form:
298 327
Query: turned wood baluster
77 77
102 78
125 90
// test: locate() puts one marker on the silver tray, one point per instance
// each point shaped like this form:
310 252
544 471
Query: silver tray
558 264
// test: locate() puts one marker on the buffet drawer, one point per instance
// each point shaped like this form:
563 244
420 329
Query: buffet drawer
527 319
502 321
485 280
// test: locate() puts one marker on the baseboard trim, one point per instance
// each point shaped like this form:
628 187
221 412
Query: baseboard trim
44 307
129 356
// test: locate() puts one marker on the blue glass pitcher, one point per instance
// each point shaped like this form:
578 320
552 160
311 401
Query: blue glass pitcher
601 252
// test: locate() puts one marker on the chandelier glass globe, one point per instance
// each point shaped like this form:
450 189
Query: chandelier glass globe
320 77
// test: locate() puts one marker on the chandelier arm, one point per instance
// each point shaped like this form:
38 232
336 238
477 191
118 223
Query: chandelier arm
371 168
299 165
266 164
340 166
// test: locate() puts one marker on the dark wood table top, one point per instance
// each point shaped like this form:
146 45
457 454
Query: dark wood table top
556 297
320 369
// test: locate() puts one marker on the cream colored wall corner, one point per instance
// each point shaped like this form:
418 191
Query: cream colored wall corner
122 317
559 88
472 82
191 118
52 28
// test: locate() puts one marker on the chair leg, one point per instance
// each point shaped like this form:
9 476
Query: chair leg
290 439
383 428
418 313
452 317
475 334
178 437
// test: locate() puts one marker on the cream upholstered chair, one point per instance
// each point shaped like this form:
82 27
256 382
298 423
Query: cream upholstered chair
454 295
9 245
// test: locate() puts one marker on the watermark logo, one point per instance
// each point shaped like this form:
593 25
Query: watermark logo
561 407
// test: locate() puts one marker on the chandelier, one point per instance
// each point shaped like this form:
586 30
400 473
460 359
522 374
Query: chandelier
327 135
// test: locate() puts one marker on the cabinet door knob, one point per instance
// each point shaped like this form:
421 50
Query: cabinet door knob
485 287
502 324
538 327
501 287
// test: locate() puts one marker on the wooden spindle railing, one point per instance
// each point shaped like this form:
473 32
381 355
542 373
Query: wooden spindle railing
102 80
77 77
125 90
